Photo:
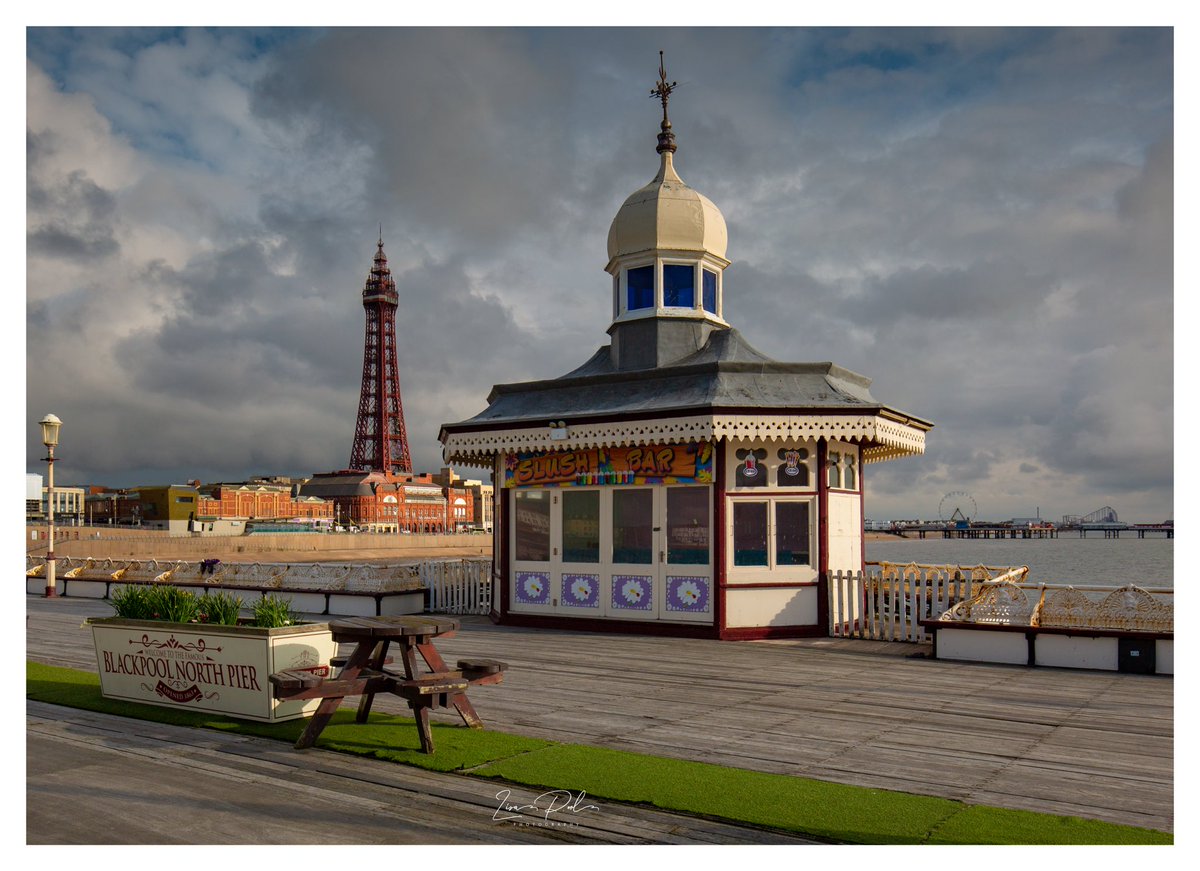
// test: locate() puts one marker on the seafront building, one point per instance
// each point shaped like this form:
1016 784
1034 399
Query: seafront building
375 501
679 480
68 506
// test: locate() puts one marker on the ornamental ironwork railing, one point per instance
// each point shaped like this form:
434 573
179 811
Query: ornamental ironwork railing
303 577
888 601
1053 606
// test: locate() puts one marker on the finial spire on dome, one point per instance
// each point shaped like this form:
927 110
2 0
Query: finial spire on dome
666 139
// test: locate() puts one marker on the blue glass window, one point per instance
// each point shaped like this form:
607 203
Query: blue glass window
710 291
640 287
679 286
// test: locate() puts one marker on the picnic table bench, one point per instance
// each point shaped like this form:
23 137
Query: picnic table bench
364 672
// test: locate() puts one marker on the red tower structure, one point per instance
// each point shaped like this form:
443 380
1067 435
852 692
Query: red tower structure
380 439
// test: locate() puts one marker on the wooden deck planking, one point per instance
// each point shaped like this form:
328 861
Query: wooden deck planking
884 721
398 803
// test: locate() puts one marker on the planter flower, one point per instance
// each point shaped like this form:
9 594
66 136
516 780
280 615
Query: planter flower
169 647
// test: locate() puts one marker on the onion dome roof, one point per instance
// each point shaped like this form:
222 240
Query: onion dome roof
667 214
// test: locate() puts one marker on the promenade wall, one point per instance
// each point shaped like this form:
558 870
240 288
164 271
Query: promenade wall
105 543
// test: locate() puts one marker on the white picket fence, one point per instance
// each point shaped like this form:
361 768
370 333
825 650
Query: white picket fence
458 586
886 602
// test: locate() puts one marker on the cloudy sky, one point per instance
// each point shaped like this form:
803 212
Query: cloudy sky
980 220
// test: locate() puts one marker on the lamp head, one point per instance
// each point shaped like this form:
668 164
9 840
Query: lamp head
50 425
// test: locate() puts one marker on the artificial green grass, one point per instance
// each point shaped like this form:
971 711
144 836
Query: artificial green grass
823 810
383 736
979 824
830 811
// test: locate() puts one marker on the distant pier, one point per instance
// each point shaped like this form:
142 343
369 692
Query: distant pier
1106 530
1143 530
987 532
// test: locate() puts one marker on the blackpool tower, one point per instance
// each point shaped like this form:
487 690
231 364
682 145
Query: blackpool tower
380 440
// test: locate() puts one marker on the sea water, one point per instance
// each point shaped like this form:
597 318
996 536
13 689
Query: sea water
1094 561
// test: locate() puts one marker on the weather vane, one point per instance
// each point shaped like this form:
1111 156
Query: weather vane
666 139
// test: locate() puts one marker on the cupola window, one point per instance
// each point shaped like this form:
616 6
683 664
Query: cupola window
679 286
639 284
710 291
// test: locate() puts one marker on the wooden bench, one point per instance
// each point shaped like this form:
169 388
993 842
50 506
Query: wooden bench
364 673
298 684
429 692
482 671
339 661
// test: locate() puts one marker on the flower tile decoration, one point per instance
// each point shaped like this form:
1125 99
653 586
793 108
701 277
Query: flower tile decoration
688 594
581 591
632 592
533 588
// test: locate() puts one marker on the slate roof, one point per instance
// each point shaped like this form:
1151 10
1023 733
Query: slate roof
726 373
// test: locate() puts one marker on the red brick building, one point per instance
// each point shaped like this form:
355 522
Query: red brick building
260 502
380 502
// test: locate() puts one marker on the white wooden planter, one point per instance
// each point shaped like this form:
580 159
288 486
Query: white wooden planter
200 667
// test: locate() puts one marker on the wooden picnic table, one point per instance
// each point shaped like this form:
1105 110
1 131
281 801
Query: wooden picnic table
365 673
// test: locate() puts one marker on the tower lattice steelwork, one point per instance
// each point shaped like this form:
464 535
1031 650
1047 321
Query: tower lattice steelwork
380 439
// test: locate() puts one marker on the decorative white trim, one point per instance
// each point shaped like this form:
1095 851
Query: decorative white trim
887 439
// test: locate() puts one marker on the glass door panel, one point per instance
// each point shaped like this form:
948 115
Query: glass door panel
532 525
633 527
634 576
687 526
581 526
687 575
531 581
578 581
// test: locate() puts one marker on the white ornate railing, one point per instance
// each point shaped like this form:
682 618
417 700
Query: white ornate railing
458 586
1129 608
888 601
289 576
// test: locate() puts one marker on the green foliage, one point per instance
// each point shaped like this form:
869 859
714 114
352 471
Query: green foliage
220 608
271 612
173 604
133 602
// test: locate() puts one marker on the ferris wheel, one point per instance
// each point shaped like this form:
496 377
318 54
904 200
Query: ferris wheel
957 505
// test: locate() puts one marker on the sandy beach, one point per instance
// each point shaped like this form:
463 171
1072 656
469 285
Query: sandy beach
362 548
102 543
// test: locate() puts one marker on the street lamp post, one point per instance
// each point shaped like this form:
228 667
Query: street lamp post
50 425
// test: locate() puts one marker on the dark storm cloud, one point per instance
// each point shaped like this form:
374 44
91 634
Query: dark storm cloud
84 211
980 220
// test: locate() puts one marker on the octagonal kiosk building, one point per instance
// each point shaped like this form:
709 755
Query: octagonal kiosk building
679 481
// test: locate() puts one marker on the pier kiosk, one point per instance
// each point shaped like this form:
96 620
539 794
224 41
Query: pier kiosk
679 481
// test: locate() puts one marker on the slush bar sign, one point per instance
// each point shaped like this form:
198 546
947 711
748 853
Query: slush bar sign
643 464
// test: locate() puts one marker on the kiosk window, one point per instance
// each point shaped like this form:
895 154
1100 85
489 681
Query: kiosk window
581 526
750 533
532 525
791 534
633 526
687 526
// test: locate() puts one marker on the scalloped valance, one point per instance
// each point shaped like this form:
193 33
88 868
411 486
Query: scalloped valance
882 438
